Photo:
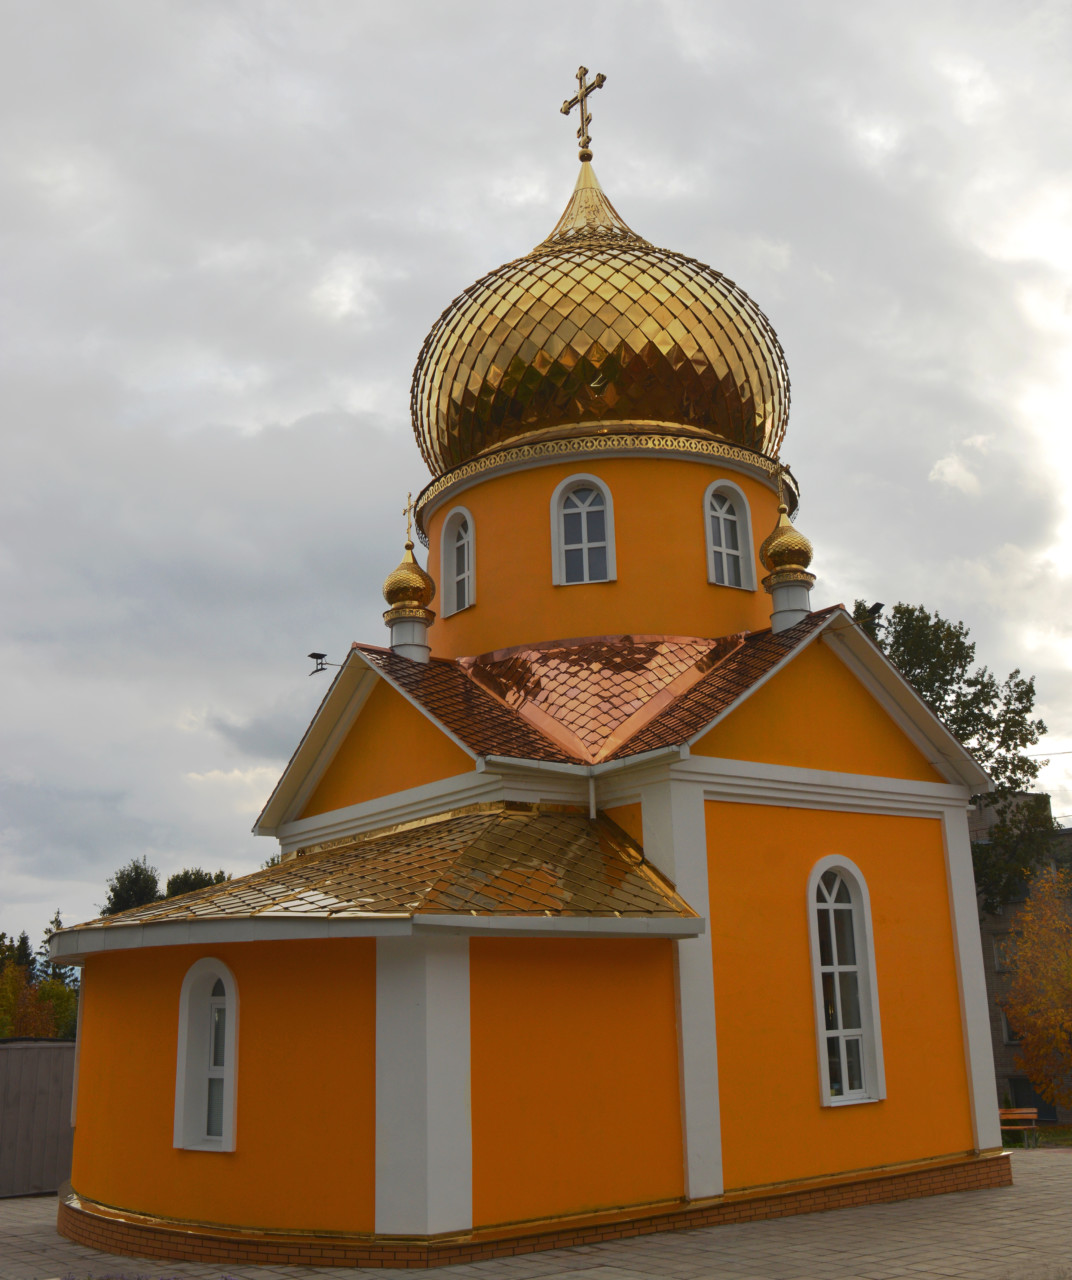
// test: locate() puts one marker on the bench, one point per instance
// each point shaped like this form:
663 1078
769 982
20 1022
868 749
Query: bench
1021 1120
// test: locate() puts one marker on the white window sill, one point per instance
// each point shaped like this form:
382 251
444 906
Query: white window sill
204 1144
854 1101
729 586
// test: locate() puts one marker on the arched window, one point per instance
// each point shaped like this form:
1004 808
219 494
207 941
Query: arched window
846 996
457 562
205 1071
582 532
730 555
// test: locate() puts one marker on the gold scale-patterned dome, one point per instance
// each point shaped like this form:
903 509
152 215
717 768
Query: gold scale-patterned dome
597 329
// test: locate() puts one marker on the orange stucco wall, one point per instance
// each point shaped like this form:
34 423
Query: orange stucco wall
815 714
391 746
306 1121
661 586
630 817
574 1076
773 1127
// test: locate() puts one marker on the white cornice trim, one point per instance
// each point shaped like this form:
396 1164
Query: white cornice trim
752 782
72 946
384 811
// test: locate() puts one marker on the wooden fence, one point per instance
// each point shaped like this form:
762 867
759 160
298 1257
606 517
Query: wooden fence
36 1079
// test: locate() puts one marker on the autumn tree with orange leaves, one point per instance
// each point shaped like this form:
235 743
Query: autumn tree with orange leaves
1038 1003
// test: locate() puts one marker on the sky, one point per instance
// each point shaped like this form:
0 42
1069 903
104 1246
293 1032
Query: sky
225 229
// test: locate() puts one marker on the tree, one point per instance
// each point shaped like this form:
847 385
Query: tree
134 885
63 1001
994 721
24 956
1038 1002
46 970
191 878
273 860
23 1010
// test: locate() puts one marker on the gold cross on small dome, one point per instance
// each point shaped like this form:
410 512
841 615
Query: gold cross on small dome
580 98
408 511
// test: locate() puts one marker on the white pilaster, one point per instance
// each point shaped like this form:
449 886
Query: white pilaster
424 1160
675 841
974 1013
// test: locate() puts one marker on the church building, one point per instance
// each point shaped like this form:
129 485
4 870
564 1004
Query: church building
619 892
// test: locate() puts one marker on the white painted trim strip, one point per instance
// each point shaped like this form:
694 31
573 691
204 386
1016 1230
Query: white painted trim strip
425 801
424 1145
754 782
971 985
675 841
72 946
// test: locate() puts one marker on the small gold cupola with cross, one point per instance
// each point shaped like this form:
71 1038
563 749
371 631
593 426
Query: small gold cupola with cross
409 590
786 555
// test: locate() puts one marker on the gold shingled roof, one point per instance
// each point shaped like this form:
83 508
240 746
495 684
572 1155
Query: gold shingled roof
487 860
598 328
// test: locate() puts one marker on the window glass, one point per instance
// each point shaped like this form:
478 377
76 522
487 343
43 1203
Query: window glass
457 563
840 989
584 535
214 1119
726 559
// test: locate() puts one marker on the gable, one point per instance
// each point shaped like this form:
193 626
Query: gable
391 746
815 714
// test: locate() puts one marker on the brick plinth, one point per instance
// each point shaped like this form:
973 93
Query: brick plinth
112 1231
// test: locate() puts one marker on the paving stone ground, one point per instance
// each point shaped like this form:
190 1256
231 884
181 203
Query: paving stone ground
1022 1232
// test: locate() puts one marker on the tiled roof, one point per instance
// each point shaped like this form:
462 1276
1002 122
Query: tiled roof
754 658
594 699
481 721
502 859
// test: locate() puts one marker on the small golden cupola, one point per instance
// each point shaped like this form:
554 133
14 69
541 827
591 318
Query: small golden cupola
786 555
409 590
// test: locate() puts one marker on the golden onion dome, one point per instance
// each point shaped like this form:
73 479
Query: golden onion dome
785 547
408 586
594 327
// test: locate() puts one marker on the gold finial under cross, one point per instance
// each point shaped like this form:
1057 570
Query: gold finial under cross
580 98
408 511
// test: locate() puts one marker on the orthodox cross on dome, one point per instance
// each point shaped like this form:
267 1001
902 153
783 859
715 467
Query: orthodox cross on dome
408 511
580 99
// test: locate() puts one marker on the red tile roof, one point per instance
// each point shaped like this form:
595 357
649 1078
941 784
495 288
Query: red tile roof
593 699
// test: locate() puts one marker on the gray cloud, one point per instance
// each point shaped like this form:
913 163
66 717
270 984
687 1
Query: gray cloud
228 227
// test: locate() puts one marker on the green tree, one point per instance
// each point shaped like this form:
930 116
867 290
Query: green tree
993 719
191 878
272 861
63 1001
134 885
24 956
46 970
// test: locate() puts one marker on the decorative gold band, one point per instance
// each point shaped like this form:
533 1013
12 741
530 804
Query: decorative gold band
402 613
782 577
622 442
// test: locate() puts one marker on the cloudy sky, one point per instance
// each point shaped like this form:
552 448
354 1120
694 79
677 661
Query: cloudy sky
226 227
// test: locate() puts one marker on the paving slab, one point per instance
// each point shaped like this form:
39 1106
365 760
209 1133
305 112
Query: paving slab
1022 1232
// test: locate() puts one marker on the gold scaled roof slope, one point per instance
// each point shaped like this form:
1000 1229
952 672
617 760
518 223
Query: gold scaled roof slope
497 859
596 327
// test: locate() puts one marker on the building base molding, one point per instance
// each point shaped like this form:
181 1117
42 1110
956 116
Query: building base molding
97 1226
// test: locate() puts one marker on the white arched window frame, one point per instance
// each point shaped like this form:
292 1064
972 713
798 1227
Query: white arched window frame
731 557
457 558
207 1058
582 532
847 1025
